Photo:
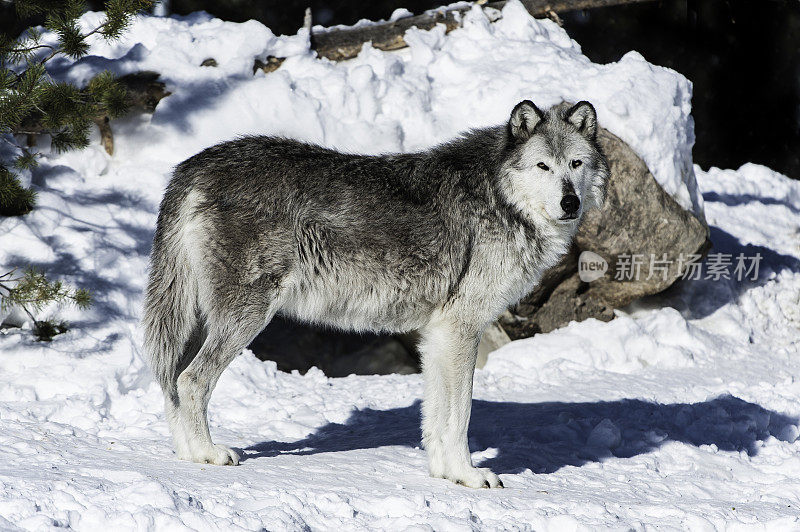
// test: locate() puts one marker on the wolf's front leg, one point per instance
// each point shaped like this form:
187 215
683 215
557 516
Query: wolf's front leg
449 351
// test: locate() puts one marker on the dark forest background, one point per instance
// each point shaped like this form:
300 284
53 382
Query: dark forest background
743 57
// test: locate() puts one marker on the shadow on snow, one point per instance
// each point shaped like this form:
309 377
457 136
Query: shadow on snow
98 268
544 437
698 298
734 200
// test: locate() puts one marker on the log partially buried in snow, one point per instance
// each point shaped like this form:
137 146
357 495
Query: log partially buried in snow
143 92
638 219
341 44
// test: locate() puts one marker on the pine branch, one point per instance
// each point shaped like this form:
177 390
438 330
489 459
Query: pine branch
33 291
15 199
138 91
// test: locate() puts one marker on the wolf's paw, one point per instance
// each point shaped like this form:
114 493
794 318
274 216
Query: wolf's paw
476 477
224 456
213 454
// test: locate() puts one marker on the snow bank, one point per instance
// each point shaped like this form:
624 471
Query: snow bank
408 100
681 413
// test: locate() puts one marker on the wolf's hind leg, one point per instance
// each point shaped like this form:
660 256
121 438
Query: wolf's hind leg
449 352
176 426
226 338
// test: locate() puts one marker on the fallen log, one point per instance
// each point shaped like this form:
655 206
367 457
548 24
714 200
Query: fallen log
338 45
143 92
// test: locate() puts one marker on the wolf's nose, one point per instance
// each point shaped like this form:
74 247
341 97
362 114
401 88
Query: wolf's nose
570 204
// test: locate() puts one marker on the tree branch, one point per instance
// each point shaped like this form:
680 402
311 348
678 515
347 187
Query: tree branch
143 92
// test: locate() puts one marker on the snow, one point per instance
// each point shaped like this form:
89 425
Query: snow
680 413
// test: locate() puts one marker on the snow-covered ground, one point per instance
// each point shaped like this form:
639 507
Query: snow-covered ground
681 413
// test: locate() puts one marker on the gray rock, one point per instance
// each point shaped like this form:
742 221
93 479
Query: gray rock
493 338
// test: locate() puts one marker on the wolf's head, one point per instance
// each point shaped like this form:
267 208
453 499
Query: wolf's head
556 169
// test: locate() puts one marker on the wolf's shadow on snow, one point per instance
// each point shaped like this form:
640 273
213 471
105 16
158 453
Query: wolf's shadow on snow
544 437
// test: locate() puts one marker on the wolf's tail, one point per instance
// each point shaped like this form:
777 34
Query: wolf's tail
171 320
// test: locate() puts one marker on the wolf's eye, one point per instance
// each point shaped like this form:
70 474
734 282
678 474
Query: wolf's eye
543 166
576 163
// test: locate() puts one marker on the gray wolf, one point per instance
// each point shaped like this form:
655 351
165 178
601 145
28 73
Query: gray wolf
440 242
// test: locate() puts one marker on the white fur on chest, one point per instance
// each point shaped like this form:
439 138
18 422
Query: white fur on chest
507 270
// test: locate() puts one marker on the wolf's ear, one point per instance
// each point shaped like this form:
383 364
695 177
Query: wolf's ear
524 119
583 116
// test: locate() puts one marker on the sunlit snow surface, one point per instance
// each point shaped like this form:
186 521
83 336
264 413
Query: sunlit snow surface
681 413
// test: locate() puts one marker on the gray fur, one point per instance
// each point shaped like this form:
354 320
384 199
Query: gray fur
439 241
